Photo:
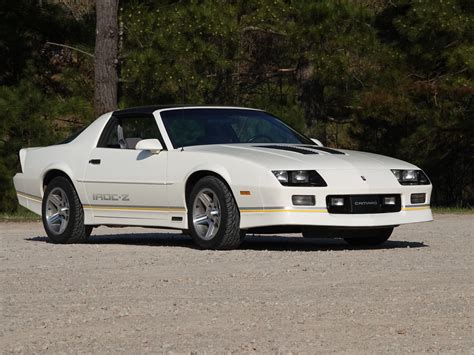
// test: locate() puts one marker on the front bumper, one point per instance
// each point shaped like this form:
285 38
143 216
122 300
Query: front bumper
320 217
277 209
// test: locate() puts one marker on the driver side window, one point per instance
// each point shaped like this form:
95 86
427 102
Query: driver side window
126 132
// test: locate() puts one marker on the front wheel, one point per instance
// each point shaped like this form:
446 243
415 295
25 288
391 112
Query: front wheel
63 217
213 215
370 237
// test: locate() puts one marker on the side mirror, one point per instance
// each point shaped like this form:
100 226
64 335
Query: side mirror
317 142
153 145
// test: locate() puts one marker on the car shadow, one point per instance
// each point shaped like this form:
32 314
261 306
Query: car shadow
251 242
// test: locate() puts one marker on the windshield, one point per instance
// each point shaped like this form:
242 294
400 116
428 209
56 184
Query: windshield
189 127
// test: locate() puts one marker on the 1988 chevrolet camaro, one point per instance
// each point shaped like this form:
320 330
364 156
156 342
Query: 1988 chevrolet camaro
216 173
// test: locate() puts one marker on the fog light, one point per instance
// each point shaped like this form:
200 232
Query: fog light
389 201
303 200
337 201
418 198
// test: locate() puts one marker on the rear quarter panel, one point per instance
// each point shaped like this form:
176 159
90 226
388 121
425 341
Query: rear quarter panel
70 158
38 162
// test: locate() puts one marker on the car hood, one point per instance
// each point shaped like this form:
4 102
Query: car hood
294 157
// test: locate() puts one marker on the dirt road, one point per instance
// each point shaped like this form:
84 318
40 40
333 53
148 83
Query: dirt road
142 290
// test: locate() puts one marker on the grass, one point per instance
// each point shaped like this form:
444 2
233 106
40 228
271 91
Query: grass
452 210
22 214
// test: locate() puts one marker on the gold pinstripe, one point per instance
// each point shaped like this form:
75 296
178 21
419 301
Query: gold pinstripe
119 208
321 210
281 210
182 209
113 208
30 197
416 208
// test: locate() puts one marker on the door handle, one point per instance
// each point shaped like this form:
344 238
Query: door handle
94 161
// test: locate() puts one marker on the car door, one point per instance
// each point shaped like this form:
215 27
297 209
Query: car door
125 185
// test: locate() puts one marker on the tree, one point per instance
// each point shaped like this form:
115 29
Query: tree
426 117
392 77
45 91
106 56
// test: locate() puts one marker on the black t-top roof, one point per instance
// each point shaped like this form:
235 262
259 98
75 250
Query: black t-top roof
148 110
145 109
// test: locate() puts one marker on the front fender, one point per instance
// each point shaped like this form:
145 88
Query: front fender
241 176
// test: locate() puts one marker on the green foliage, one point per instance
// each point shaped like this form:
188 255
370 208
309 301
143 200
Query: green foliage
453 210
389 77
45 91
427 112
24 109
180 50
20 215
26 26
393 77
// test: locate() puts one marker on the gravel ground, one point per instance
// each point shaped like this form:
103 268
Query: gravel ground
138 290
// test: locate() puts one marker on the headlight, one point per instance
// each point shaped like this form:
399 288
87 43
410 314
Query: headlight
411 177
282 176
299 178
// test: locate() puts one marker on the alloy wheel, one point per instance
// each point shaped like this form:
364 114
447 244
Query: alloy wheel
206 214
57 210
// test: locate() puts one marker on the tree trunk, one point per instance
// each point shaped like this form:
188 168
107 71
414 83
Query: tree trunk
106 56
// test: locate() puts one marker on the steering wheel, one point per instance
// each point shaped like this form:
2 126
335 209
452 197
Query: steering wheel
262 136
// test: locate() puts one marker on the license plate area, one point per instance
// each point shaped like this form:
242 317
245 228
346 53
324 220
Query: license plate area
364 204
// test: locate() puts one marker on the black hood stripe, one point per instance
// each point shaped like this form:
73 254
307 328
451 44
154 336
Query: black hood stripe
324 149
301 150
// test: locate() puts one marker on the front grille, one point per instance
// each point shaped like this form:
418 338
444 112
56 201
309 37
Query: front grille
363 204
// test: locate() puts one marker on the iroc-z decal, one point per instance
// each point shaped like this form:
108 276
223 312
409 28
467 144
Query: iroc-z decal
110 197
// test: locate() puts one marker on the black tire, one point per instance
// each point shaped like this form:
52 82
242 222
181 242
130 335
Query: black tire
309 234
89 230
369 237
228 235
75 230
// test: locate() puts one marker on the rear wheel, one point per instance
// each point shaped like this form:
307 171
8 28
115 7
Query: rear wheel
369 237
213 215
62 214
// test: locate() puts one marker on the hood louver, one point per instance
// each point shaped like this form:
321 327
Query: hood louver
306 149
325 149
288 148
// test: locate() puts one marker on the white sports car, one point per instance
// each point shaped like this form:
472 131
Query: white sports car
216 173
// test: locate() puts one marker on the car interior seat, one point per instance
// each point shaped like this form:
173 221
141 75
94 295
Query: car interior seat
121 140
132 142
